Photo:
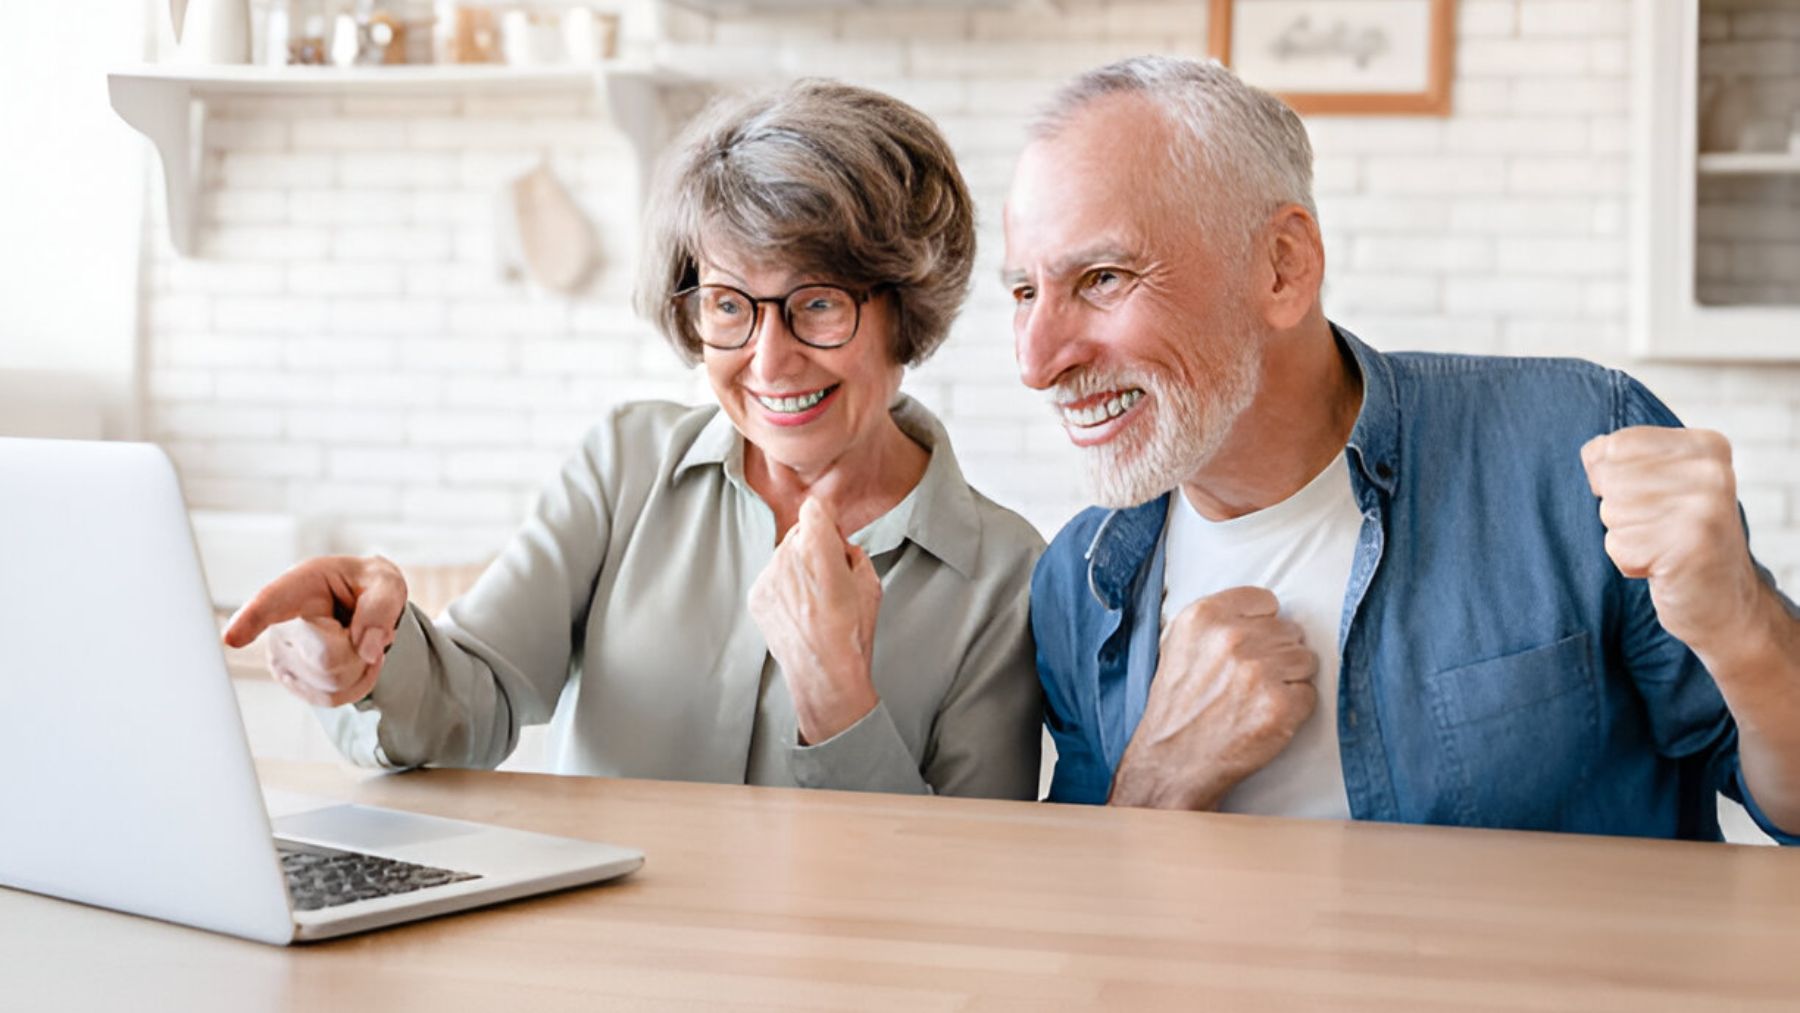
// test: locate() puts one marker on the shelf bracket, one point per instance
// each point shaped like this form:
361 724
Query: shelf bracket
174 119
639 106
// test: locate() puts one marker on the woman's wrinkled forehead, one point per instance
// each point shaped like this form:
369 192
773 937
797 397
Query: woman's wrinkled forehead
721 251
758 276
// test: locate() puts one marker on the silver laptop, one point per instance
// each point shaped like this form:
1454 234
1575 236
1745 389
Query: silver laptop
125 778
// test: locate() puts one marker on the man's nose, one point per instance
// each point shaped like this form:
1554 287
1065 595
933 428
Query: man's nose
1045 343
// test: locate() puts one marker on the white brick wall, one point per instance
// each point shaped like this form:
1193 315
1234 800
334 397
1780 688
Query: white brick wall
349 350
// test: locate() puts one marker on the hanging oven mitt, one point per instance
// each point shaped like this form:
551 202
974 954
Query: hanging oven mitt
542 226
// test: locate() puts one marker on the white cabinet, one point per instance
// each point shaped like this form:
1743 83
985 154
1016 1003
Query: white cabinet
1717 252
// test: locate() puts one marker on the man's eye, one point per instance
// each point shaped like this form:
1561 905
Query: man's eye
1104 280
1104 286
1023 294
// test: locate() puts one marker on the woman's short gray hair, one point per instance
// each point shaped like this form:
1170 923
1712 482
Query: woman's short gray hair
1240 139
844 183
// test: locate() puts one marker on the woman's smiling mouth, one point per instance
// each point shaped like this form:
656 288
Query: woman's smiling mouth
795 409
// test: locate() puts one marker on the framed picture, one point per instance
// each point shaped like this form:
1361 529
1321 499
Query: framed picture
1341 56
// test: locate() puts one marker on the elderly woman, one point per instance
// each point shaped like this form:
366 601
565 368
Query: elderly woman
793 587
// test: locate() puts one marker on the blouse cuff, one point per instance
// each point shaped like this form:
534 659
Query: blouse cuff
867 756
364 731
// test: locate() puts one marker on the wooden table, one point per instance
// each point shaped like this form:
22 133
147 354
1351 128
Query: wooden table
781 899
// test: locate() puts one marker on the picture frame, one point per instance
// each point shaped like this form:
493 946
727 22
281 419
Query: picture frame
1341 57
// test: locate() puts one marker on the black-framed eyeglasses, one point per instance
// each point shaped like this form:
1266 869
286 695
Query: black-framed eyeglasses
725 318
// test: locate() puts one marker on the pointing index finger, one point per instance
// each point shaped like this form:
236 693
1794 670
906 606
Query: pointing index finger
289 596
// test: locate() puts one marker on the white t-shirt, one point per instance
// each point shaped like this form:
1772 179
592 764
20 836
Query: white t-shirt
1301 549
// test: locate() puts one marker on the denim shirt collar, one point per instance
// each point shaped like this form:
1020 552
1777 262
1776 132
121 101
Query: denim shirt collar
1129 537
1375 439
1122 542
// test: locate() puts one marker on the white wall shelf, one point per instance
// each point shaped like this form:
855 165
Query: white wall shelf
1668 320
716 7
1737 163
167 104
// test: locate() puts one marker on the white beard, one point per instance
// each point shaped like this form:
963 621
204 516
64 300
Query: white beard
1187 426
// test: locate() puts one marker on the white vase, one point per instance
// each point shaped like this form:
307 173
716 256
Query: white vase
216 31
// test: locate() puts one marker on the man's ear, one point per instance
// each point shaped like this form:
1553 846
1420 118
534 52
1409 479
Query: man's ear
1295 267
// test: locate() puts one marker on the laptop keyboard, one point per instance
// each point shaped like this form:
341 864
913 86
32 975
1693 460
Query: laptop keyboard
322 877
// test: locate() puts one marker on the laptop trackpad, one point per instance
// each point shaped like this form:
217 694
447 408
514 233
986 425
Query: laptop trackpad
365 827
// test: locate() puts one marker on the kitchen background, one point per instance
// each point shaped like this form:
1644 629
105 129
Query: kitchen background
349 365
347 351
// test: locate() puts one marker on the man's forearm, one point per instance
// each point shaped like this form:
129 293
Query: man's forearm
1143 782
1758 672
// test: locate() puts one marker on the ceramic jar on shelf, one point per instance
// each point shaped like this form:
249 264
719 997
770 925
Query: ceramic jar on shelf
211 31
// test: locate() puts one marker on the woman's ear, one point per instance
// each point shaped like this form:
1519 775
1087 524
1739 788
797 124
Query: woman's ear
1296 267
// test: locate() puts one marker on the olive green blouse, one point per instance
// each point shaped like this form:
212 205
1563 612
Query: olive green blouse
618 614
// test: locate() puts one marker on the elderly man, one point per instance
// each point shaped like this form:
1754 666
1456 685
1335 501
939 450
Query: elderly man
1331 582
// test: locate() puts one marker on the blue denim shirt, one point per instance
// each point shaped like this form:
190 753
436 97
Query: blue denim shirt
1497 669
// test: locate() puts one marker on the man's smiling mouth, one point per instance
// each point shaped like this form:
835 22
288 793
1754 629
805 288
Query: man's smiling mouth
1089 412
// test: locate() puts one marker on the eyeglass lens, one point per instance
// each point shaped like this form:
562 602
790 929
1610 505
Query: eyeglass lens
724 317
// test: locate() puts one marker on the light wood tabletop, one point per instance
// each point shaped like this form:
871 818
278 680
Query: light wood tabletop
787 899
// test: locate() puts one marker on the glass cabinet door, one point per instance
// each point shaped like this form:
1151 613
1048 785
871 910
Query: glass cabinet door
1747 194
1716 265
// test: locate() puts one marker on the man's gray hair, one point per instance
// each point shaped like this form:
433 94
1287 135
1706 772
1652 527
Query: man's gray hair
1231 136
842 183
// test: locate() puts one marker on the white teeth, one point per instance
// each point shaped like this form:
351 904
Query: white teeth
1111 408
791 405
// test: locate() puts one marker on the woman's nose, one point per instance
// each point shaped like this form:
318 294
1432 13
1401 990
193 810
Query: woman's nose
774 351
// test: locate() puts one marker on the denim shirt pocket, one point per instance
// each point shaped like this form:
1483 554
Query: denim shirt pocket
1518 734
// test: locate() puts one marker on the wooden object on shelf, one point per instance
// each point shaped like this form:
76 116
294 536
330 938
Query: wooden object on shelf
476 36
385 37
